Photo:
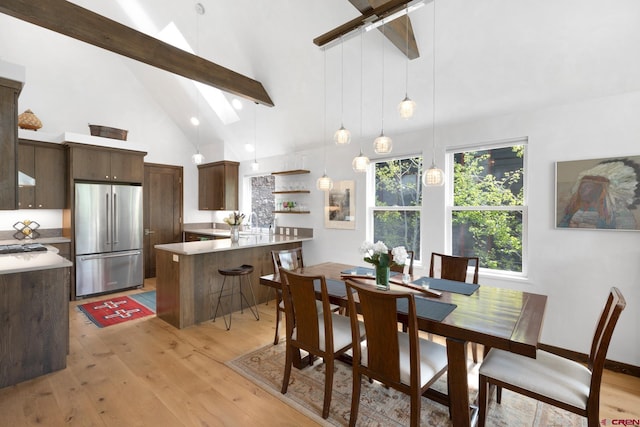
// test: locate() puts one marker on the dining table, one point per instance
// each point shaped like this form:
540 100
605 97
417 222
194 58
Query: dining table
506 319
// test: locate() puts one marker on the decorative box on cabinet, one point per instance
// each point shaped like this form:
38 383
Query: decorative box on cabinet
96 163
293 191
46 162
218 186
9 91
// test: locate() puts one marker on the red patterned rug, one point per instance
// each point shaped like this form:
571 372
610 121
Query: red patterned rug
113 311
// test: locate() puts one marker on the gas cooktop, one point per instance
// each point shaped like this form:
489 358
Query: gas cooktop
27 247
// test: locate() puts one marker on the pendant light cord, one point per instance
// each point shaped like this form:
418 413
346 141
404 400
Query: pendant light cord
255 133
341 82
433 125
324 123
406 81
361 88
383 38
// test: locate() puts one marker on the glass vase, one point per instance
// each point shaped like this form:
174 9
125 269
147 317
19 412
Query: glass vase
234 233
382 277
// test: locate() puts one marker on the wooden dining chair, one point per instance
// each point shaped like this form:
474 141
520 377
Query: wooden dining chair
553 379
456 268
324 334
289 259
401 360
400 268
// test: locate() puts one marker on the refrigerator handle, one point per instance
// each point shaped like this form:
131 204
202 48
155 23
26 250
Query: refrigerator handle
108 240
115 220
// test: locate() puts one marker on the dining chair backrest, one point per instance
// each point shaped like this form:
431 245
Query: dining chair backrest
453 267
289 259
400 268
379 314
302 314
601 339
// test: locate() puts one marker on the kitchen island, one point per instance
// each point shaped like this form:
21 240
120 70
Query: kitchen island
187 278
34 302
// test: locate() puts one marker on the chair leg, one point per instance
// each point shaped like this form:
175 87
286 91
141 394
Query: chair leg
328 386
228 325
498 394
482 400
474 352
415 409
242 295
355 399
287 368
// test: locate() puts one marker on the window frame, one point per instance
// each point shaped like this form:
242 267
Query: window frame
523 209
371 198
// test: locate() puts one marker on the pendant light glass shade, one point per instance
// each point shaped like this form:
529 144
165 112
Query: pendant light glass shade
324 183
342 136
360 163
433 177
406 108
382 144
197 158
255 165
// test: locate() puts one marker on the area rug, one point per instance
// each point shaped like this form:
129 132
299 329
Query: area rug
148 299
380 406
113 311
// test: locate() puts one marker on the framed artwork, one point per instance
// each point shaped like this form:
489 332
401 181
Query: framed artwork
339 206
601 194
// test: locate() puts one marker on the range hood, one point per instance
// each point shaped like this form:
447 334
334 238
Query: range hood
25 180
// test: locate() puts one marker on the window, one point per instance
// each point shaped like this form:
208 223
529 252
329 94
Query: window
262 200
397 196
488 205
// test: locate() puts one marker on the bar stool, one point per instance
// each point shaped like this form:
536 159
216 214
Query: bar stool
243 270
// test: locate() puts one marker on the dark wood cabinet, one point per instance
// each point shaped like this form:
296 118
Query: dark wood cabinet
46 162
9 91
95 163
218 186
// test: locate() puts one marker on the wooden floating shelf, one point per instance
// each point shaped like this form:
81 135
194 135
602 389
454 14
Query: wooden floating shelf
291 212
292 192
291 172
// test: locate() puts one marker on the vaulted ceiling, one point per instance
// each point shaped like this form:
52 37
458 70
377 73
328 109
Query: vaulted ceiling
493 57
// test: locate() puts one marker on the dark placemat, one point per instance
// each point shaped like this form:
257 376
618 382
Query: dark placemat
335 288
447 285
427 309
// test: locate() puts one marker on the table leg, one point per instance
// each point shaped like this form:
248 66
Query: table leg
458 385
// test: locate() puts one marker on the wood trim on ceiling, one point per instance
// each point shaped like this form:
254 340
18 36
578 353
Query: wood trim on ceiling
82 24
373 10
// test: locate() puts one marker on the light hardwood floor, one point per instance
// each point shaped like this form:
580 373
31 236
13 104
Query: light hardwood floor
147 373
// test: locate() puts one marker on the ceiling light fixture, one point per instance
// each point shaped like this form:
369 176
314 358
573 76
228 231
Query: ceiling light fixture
324 183
342 135
434 176
360 163
255 166
382 144
407 106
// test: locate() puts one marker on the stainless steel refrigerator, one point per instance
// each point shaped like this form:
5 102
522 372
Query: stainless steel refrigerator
108 237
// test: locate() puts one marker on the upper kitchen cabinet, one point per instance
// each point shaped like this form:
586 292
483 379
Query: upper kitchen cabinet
96 163
218 186
9 91
47 164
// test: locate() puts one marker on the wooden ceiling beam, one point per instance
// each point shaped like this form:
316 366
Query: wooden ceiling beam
82 24
375 10
396 31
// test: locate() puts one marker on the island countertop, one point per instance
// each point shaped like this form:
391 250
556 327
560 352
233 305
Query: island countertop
32 261
220 245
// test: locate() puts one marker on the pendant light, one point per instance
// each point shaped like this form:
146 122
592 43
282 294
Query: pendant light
382 144
342 135
407 106
197 158
434 176
360 163
255 165
324 183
